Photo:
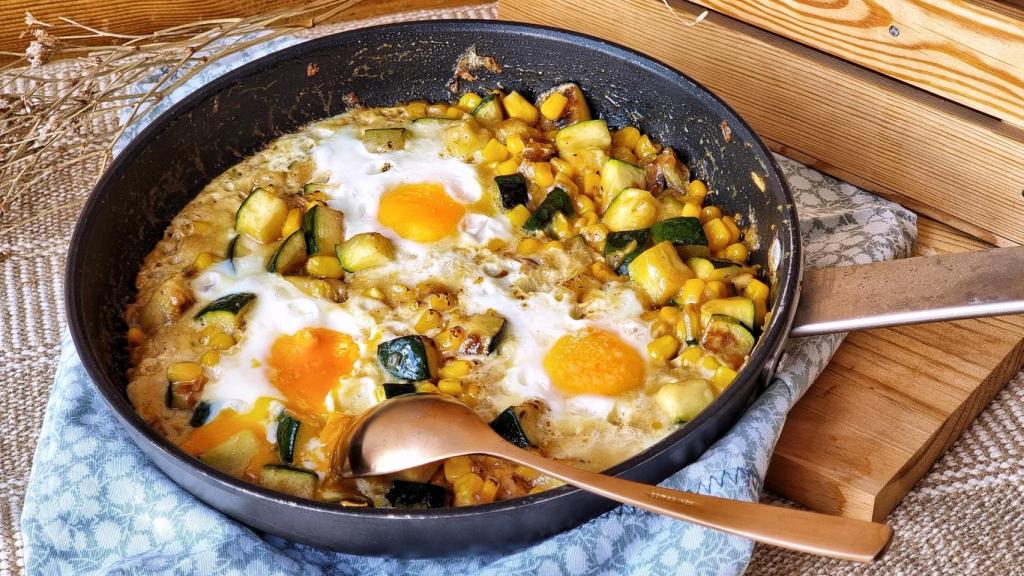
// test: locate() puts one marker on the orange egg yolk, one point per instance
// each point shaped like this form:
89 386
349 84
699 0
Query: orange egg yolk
305 366
593 361
229 422
422 212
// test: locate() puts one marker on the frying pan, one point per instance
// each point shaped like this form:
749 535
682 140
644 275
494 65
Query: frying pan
239 113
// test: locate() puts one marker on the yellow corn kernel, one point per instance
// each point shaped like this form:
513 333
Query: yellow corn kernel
644 147
592 184
450 339
450 386
553 245
626 137
429 320
722 377
660 328
688 329
467 489
709 213
717 234
496 244
456 369
663 348
583 204
519 215
136 336
553 106
471 392
210 359
595 235
427 388
292 222
489 491
529 475
203 261
603 272
737 253
416 108
710 363
669 314
519 107
692 292
528 246
469 101
437 110
456 467
624 154
734 229
696 191
220 340
493 151
453 113
757 291
515 144
691 210
542 175
440 302
563 167
715 289
324 267
561 227
691 356
510 166
184 372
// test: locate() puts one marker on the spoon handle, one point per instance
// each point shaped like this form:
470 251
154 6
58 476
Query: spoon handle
811 532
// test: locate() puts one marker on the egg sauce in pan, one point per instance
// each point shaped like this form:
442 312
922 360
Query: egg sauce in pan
566 280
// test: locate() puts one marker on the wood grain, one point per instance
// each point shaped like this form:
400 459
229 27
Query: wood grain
940 158
966 52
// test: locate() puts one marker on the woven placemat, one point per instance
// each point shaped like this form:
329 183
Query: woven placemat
965 516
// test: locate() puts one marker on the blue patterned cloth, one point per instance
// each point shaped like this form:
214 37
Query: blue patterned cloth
96 505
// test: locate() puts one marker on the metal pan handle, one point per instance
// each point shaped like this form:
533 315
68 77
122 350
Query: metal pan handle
911 291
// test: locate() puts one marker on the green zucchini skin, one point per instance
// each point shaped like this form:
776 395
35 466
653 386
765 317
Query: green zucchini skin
489 110
484 333
681 231
290 480
393 389
556 201
232 303
738 308
412 358
287 433
508 427
323 229
512 189
200 415
290 255
621 248
728 339
405 494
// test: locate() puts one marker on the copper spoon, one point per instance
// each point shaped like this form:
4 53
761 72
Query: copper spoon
417 429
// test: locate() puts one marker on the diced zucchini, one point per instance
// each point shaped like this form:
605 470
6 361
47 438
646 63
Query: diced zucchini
489 111
314 188
287 433
681 231
184 384
616 176
378 140
429 127
324 228
632 209
675 173
556 201
328 289
261 216
225 311
392 389
290 255
234 454
738 308
200 415
405 494
484 333
728 339
364 251
682 401
708 269
659 272
512 189
508 427
293 481
575 110
412 358
576 138
620 248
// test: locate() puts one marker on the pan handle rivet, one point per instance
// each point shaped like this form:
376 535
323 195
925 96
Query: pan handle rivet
894 31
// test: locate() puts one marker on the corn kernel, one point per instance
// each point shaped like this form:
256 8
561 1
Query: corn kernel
644 147
453 113
669 314
456 369
493 151
136 336
456 467
469 101
542 175
691 356
416 108
515 144
489 491
710 363
467 489
567 184
592 184
734 229
553 245
709 213
519 215
717 234
696 191
688 329
757 291
660 328
691 210
510 166
203 261
292 222
437 110
603 272
450 339
722 377
595 235
427 388
624 154
737 253
563 167
553 106
184 372
591 218
663 348
429 320
220 341
715 289
528 246
626 137
583 204
450 386
324 267
692 291
529 475
561 227
471 392
210 359
519 107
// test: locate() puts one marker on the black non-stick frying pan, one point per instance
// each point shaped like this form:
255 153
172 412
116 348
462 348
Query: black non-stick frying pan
239 113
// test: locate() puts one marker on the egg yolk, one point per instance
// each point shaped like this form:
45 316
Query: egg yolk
421 212
229 422
308 364
593 361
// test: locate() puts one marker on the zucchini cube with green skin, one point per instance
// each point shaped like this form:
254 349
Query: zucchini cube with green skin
738 308
556 201
513 191
413 358
616 176
365 251
393 389
484 333
681 231
378 140
261 216
728 339
225 311
323 229
659 272
489 111
683 401
287 434
576 109
632 209
290 255
289 480
710 269
576 138
200 415
621 248
508 427
234 454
